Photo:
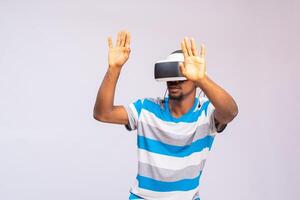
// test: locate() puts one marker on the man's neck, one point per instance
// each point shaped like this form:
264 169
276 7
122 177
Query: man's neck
180 107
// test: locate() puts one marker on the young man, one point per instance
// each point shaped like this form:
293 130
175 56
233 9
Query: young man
174 134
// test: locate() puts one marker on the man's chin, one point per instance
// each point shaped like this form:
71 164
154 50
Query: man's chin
175 97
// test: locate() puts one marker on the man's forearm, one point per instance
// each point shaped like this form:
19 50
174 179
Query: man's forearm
106 92
226 108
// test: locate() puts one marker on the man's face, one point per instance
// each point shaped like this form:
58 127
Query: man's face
179 90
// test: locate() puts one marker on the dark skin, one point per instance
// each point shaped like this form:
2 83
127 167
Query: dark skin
181 99
181 95
194 69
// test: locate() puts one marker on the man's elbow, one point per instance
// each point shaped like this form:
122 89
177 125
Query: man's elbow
226 118
100 117
233 114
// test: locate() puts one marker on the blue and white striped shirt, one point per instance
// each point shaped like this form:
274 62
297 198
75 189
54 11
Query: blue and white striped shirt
171 151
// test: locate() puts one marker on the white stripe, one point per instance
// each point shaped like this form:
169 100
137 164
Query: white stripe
132 116
171 162
180 128
134 111
153 195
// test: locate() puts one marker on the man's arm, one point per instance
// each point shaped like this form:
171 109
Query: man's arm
225 107
194 68
104 109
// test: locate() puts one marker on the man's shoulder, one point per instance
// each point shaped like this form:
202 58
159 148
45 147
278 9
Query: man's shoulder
153 101
150 103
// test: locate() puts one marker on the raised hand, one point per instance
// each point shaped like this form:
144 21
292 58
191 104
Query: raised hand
119 54
194 66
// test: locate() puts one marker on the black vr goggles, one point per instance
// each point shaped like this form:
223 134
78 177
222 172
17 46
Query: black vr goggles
168 69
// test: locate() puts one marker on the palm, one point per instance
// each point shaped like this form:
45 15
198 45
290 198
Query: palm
119 54
194 67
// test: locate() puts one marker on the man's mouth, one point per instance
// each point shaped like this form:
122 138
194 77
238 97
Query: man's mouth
173 89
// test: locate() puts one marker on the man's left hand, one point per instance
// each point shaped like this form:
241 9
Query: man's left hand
194 66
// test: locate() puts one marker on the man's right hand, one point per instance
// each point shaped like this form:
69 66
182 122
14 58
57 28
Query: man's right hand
104 109
119 54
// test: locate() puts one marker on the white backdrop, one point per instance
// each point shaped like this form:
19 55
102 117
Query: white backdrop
53 56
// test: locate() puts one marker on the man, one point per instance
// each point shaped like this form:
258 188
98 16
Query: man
175 134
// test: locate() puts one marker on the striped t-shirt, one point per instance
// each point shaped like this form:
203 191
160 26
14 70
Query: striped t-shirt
171 151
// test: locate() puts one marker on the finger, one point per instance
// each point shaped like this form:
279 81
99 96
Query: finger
194 49
188 46
182 69
203 52
184 50
118 39
123 39
110 45
127 44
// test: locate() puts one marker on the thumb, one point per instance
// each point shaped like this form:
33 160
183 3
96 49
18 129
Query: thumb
182 69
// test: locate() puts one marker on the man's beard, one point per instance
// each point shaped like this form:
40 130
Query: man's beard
176 97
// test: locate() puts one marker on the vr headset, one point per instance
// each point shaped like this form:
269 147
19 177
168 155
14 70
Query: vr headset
168 69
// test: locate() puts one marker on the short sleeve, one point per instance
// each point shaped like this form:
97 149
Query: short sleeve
214 126
133 111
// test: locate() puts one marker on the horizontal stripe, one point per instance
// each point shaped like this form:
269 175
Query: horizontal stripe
180 128
172 163
163 115
154 195
172 150
168 175
161 186
168 137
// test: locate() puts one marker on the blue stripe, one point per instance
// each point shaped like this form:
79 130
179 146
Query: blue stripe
172 150
160 186
161 114
138 106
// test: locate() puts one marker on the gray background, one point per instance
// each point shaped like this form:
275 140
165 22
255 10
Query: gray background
53 56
